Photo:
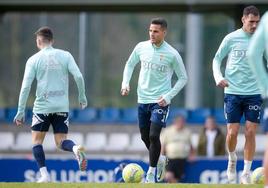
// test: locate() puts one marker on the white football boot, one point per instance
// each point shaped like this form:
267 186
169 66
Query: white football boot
161 168
245 178
43 179
81 157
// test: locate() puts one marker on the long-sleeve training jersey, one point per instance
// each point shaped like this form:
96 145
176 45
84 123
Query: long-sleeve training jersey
240 78
157 67
257 48
50 67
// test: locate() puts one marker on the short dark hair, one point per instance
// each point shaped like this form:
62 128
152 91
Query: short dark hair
251 10
45 32
159 21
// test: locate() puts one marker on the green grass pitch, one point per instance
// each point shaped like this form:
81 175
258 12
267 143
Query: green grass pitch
117 185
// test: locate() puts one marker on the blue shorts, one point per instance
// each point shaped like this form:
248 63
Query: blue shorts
152 113
235 106
59 122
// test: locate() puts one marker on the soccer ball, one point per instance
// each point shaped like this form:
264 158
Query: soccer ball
257 176
132 173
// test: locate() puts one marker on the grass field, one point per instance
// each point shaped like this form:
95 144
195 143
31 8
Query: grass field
116 185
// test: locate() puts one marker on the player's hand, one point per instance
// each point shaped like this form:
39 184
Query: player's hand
19 118
83 105
125 91
223 84
162 102
82 101
19 122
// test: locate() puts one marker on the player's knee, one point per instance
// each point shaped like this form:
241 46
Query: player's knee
232 134
250 133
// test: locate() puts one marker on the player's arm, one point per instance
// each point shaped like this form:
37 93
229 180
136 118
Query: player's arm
181 74
255 56
79 80
132 61
216 64
29 75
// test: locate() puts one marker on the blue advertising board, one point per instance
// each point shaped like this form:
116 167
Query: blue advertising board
25 170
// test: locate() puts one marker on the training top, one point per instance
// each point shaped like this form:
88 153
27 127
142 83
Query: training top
257 48
157 67
240 77
50 67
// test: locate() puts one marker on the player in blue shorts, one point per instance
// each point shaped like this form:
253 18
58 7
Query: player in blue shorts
242 95
50 67
257 49
158 62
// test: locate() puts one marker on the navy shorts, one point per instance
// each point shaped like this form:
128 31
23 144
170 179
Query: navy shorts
152 113
235 106
59 122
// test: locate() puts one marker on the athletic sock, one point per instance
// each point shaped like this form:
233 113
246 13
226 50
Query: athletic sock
151 170
39 155
232 156
67 145
44 171
247 166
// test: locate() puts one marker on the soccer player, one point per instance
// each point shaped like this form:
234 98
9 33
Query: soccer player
257 48
50 67
242 95
158 62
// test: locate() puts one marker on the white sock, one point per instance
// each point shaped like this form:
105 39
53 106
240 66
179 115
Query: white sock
247 166
43 171
75 148
151 170
232 155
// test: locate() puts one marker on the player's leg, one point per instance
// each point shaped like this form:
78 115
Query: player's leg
158 121
231 141
154 151
60 123
162 160
233 114
252 108
40 126
249 151
144 116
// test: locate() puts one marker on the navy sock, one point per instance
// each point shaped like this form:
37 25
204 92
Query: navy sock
67 145
39 155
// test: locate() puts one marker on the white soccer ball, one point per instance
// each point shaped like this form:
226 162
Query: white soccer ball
257 176
133 173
